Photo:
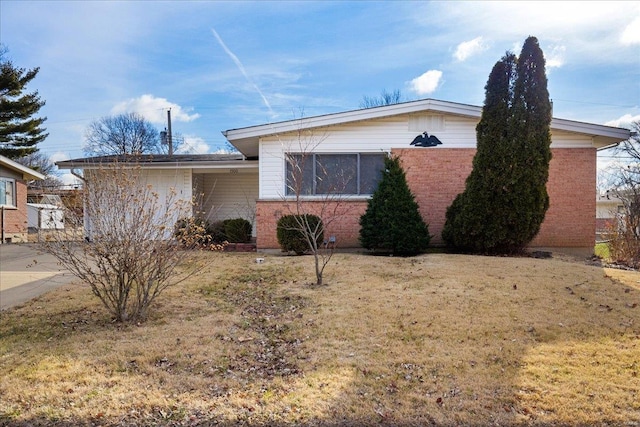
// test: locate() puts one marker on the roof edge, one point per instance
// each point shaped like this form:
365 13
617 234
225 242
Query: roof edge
246 139
353 116
27 172
161 161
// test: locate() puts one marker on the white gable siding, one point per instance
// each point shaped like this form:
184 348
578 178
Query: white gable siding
379 135
372 136
563 139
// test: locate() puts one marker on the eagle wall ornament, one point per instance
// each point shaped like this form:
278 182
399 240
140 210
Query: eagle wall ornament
425 140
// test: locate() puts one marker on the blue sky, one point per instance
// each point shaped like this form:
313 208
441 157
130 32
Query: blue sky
224 65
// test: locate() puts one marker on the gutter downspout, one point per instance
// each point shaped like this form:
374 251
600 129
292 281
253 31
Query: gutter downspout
76 174
2 241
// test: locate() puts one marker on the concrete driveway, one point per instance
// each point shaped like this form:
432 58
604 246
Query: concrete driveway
26 272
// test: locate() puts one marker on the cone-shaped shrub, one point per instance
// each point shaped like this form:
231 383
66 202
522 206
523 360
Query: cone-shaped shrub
392 222
505 198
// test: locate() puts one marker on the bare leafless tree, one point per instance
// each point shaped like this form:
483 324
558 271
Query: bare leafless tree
327 203
622 179
130 253
385 98
123 134
40 162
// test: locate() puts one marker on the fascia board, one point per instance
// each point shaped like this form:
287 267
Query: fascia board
27 173
237 164
255 132
246 139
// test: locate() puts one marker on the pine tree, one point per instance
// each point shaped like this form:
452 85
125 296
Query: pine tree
392 222
531 129
505 198
20 132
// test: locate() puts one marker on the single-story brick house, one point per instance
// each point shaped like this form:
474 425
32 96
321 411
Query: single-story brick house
254 184
13 200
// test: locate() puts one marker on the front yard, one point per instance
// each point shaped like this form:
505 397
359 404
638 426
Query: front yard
437 339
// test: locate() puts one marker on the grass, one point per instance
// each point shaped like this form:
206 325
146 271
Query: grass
434 340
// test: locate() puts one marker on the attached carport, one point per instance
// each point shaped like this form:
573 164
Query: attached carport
222 186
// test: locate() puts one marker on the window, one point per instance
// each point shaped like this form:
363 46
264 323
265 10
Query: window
318 174
7 192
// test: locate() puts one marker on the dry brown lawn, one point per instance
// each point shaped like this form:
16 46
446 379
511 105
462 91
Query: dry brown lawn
434 340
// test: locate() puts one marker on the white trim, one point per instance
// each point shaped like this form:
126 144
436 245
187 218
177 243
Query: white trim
200 164
247 139
27 173
14 190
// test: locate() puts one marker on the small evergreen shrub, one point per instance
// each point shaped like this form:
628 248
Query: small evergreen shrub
293 230
392 222
237 230
216 231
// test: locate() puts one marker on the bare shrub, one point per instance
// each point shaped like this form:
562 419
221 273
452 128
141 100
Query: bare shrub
328 205
623 179
623 241
130 253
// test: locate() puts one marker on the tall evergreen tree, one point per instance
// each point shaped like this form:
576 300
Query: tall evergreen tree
392 222
505 198
20 132
531 129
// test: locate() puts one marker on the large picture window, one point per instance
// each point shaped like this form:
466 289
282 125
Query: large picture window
320 174
7 192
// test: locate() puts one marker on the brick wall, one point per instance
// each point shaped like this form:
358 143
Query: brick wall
344 224
15 220
571 218
436 176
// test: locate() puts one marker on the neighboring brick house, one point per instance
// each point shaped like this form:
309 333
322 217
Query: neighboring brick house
353 144
13 200
435 174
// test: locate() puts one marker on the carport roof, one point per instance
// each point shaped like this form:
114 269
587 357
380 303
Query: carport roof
160 161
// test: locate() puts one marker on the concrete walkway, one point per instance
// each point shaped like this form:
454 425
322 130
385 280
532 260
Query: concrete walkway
26 272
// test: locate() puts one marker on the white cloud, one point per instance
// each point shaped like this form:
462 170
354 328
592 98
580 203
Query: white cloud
624 121
591 31
427 82
69 179
193 145
469 48
631 34
154 109
66 177
555 59
58 156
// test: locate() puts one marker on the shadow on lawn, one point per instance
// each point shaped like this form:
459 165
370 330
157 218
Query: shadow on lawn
516 358
548 368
